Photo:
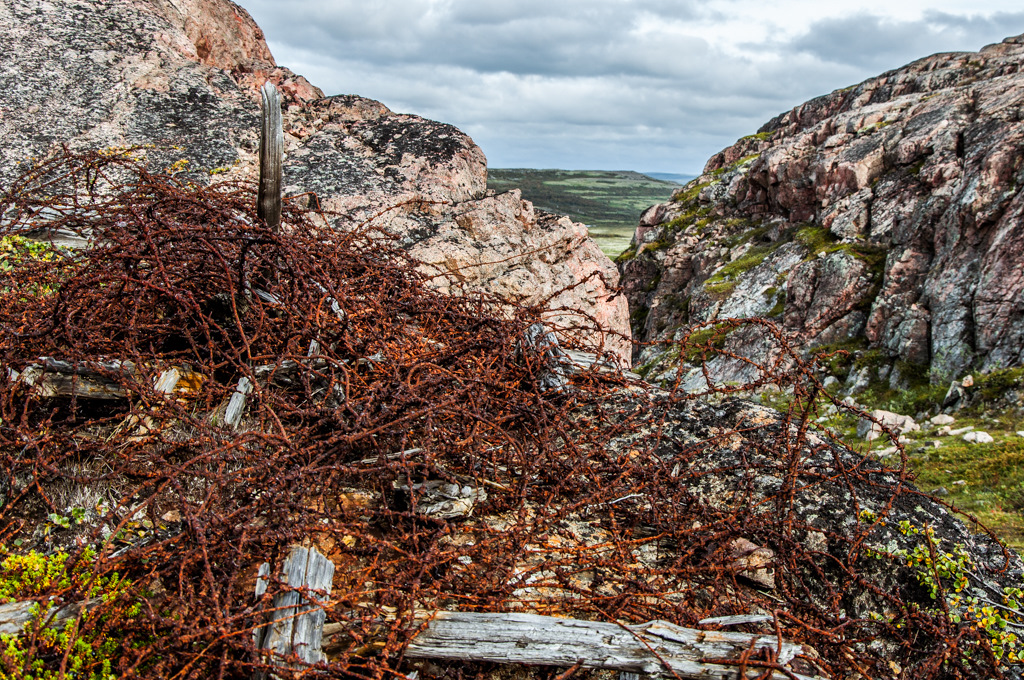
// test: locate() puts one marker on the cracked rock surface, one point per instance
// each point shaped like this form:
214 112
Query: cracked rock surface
888 213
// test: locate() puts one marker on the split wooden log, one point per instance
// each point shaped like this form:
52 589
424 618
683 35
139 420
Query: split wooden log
268 201
236 404
88 380
297 617
739 620
655 648
539 344
441 499
14 616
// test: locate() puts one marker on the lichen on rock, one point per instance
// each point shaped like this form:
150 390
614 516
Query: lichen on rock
911 183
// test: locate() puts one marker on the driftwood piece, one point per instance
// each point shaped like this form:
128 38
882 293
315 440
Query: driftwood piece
15 615
86 380
738 620
167 381
297 619
541 344
651 648
268 201
236 404
442 499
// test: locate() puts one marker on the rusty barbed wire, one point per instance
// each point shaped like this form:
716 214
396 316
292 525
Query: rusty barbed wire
370 391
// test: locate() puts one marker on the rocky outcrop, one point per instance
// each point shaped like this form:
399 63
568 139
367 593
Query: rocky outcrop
885 216
183 76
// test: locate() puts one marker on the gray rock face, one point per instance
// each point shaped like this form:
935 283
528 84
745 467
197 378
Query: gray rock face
901 199
183 76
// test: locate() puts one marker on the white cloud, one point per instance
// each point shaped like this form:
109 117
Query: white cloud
640 84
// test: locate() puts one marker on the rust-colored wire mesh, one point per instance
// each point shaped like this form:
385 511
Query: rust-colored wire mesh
370 395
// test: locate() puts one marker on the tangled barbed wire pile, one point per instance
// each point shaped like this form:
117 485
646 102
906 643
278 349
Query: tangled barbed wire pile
409 436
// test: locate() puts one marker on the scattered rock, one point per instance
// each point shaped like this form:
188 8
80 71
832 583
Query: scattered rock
859 381
959 431
940 492
955 397
870 430
978 437
942 419
755 563
968 381
960 482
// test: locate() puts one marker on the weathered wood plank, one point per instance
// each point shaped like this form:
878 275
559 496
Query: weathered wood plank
88 380
15 615
268 201
60 238
236 404
297 619
167 381
645 648
726 621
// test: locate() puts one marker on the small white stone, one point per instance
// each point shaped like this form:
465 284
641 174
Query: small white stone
978 438
1020 434
960 482
942 419
960 431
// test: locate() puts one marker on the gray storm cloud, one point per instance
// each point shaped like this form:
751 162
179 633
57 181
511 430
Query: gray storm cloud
616 84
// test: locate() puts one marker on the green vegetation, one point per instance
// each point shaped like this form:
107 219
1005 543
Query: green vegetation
735 164
16 249
22 254
83 648
818 239
610 203
945 571
986 480
727 277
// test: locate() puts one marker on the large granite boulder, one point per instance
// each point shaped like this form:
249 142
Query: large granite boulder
183 76
887 215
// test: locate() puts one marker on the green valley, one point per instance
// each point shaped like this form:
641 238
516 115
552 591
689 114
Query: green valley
608 202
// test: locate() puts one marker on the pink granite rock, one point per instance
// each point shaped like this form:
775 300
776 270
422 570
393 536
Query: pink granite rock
903 198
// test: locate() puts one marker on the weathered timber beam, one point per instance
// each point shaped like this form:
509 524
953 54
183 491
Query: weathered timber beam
655 648
236 404
268 201
297 617
89 380
15 615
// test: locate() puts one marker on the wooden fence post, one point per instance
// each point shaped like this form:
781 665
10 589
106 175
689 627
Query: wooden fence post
268 202
297 620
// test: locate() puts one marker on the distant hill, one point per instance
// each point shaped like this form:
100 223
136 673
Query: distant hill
609 202
673 177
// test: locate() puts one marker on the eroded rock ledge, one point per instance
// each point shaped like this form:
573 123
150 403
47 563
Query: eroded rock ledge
887 215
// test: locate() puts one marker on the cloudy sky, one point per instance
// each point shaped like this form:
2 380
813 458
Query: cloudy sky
649 85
